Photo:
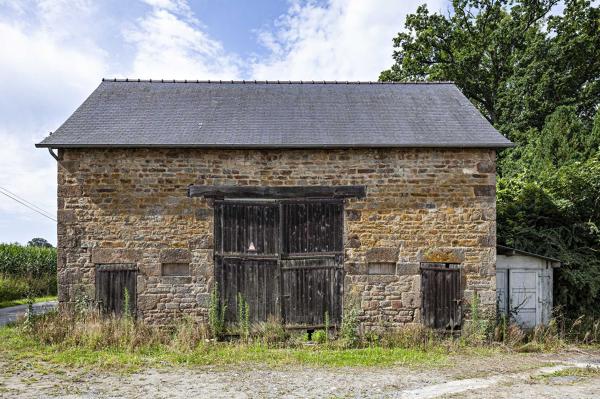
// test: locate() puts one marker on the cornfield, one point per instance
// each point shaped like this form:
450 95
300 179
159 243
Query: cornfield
26 271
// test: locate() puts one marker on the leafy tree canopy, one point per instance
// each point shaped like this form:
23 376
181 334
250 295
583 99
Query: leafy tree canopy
39 242
511 58
535 76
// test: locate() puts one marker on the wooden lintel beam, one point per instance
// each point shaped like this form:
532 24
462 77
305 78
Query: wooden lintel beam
218 192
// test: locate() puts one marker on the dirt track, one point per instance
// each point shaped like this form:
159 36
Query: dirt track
509 376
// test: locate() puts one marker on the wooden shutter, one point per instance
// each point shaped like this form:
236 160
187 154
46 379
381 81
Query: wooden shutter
112 283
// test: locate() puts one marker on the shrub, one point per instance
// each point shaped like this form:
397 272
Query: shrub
12 288
319 336
349 328
271 332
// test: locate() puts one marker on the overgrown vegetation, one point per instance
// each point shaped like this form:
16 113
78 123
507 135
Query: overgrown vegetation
89 339
477 329
27 271
84 337
535 75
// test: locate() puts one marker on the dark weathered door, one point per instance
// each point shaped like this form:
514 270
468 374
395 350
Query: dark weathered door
246 258
116 288
441 304
312 262
285 258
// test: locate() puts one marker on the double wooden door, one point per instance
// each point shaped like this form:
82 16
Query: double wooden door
284 258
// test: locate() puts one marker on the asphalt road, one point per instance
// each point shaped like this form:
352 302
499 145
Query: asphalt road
9 315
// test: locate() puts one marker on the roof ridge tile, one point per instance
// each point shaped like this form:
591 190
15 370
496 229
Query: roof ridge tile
243 81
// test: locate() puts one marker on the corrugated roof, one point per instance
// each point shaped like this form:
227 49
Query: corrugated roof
282 114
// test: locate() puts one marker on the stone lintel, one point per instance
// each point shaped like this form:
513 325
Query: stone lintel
442 255
115 255
381 255
175 255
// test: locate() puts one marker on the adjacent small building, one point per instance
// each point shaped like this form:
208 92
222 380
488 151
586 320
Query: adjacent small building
305 198
524 283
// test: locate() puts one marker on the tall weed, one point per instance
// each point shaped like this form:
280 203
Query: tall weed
216 314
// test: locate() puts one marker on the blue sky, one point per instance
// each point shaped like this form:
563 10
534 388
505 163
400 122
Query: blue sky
55 52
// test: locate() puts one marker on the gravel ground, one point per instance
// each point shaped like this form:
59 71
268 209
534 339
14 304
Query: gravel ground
503 376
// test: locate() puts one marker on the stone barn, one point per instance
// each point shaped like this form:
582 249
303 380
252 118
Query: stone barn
304 198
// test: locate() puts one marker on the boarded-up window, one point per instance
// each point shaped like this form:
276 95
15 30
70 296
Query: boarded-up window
176 269
116 288
381 268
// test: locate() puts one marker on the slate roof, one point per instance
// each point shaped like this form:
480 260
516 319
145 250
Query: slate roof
243 114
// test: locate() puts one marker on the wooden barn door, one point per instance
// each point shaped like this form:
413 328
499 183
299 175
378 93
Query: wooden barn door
113 284
312 262
285 258
441 293
246 258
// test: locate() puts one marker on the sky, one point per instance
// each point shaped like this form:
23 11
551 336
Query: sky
54 53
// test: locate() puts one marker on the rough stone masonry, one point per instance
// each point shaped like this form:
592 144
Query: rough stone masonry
129 206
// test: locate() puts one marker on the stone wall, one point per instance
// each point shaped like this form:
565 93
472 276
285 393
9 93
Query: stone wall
130 205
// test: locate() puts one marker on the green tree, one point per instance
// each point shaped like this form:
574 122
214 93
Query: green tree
516 63
535 76
39 242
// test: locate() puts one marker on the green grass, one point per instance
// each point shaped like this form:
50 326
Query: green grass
15 302
17 346
574 372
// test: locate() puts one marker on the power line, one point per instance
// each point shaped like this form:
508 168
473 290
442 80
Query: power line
18 197
27 202
24 204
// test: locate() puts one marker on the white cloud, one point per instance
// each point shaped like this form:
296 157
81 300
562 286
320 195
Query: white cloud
32 177
171 44
41 78
54 53
341 40
45 73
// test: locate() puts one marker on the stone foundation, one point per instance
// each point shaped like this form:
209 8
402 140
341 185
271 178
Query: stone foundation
422 205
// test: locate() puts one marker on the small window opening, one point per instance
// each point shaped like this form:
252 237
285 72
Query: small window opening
387 268
176 269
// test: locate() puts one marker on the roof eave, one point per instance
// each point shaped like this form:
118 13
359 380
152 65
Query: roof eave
277 146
